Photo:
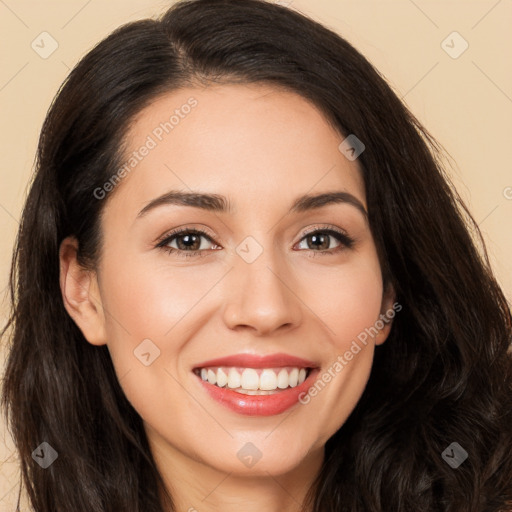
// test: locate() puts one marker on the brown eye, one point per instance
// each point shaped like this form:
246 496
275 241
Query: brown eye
321 241
187 242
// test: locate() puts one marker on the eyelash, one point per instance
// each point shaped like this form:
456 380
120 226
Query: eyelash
345 240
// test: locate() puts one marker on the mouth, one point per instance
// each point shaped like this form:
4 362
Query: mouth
256 385
254 381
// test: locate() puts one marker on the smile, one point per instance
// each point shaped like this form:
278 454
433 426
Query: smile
254 381
255 385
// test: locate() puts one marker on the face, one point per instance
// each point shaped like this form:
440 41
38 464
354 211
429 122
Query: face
261 287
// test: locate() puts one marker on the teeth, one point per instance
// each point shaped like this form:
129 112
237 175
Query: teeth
250 381
294 377
212 377
222 378
282 379
255 392
233 379
268 380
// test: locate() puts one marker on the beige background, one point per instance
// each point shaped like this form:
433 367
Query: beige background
465 102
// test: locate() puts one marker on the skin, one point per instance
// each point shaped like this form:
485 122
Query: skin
261 147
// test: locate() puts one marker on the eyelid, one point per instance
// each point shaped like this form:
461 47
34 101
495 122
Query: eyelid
346 240
323 227
204 231
184 229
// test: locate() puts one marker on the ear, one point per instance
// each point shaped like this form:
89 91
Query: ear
80 292
387 312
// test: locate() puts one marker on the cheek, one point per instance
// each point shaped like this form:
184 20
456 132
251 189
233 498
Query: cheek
159 303
142 308
144 300
351 305
348 299
149 300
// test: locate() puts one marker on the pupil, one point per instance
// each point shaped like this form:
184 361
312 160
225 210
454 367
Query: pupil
188 241
318 238
318 241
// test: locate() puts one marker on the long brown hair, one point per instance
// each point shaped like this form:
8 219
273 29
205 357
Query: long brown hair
442 376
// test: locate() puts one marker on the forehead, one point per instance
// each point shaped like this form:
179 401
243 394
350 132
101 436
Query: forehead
252 142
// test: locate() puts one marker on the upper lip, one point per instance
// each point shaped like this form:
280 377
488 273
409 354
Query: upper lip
258 361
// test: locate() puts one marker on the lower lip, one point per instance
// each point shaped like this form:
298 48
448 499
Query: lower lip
259 405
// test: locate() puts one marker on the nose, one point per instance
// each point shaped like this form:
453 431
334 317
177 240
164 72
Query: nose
261 297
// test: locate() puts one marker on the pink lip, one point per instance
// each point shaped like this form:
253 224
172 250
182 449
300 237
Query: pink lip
259 405
254 361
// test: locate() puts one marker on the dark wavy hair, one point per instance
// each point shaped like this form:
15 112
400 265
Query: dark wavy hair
444 374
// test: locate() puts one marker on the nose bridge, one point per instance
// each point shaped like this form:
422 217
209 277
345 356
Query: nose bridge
261 294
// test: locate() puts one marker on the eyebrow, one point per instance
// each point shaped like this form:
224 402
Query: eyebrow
221 204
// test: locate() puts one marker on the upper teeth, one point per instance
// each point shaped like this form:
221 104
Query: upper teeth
267 379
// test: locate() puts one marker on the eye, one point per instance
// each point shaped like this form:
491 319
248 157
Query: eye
320 240
186 242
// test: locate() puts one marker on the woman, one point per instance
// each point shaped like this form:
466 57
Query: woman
242 281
